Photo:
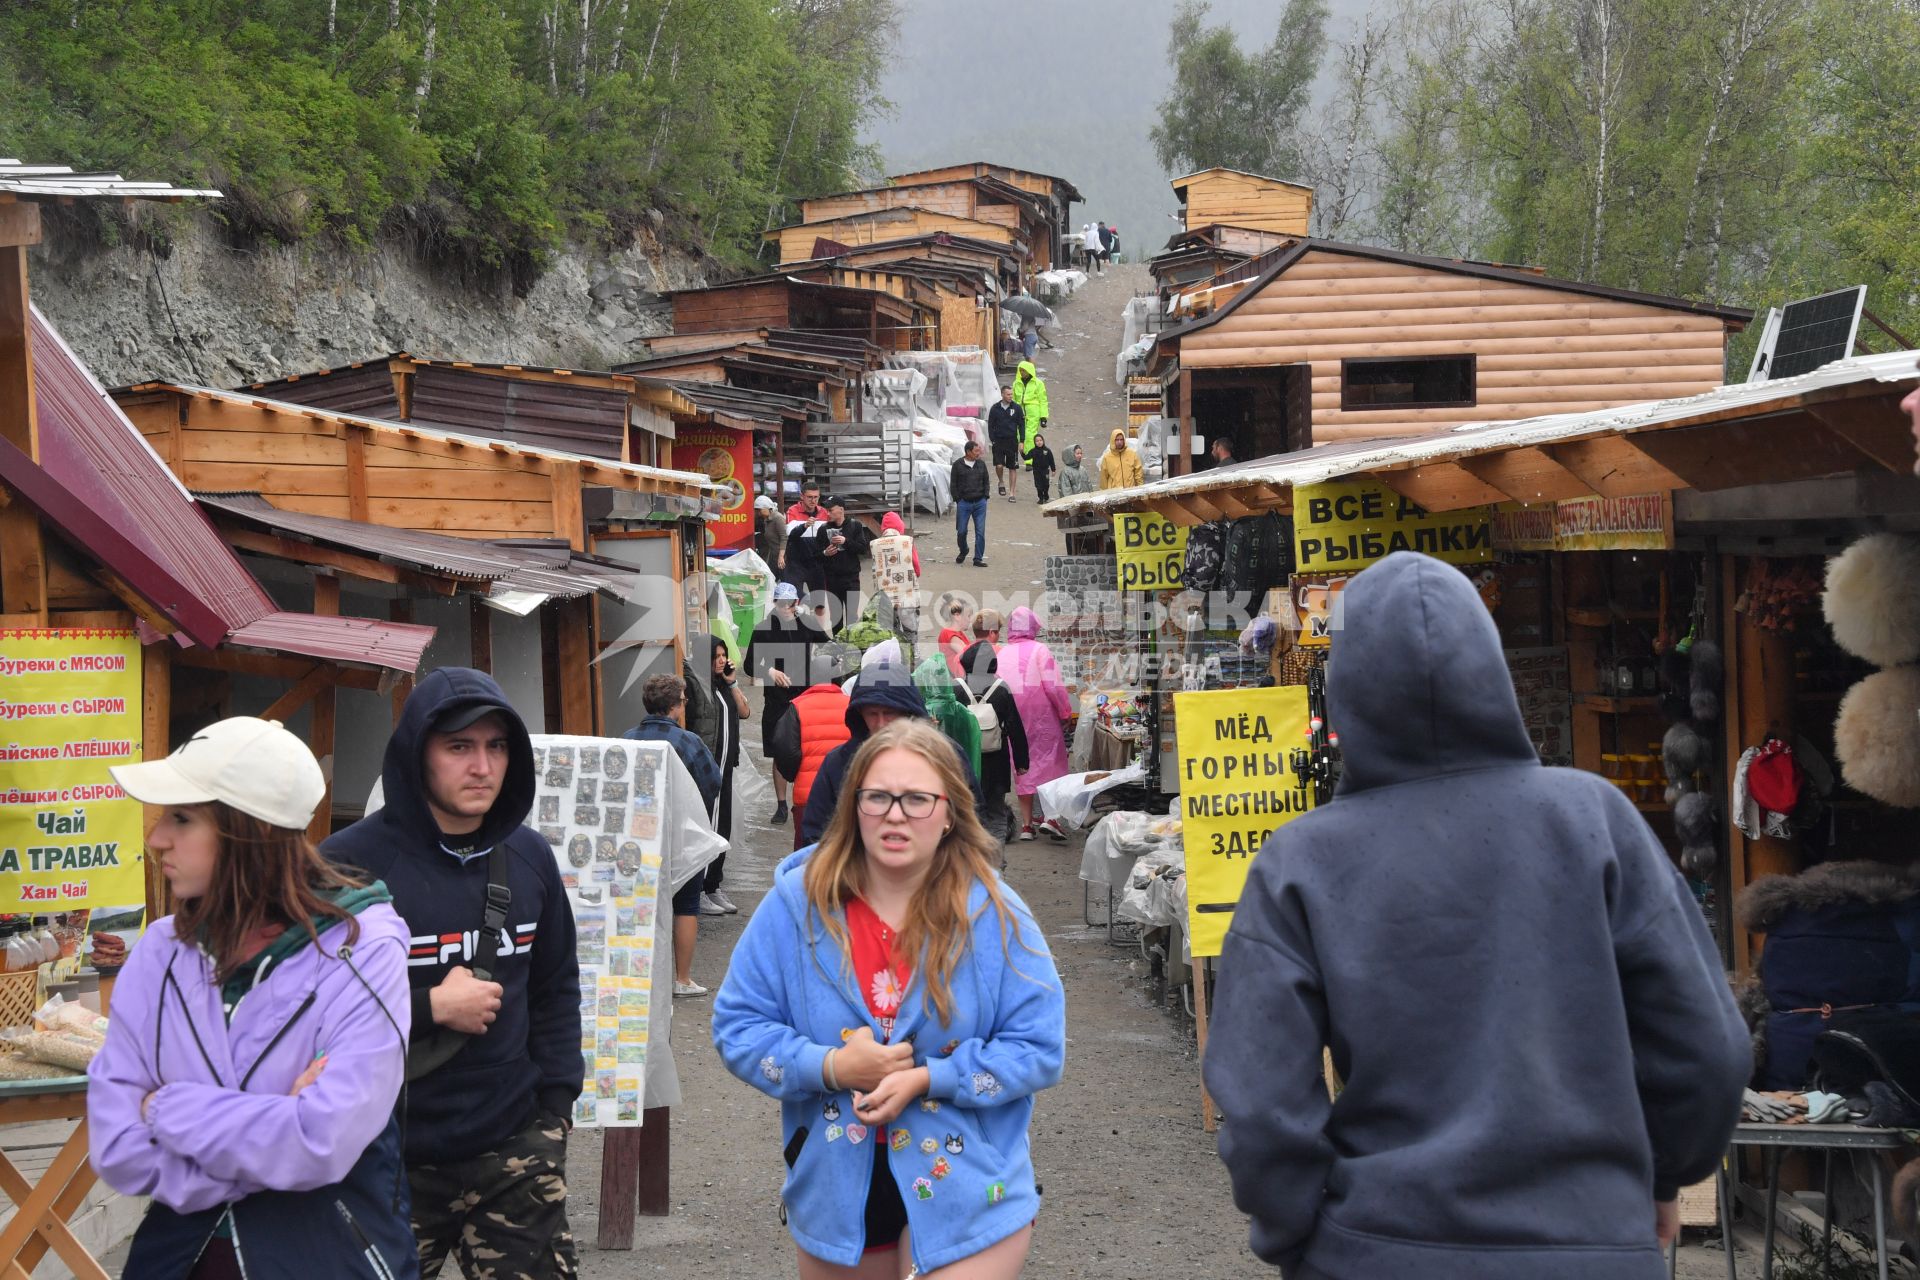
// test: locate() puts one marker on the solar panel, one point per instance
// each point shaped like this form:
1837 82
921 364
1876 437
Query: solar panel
1813 332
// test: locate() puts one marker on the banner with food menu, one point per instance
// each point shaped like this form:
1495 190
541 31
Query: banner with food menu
69 837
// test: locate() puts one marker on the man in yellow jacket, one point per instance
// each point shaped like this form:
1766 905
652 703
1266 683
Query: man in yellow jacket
1030 393
1119 465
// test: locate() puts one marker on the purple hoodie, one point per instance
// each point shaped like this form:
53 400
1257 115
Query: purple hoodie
221 1125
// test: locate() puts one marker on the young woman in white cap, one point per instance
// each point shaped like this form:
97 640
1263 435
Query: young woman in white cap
258 1040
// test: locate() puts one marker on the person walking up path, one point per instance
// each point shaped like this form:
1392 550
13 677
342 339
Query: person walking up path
665 699
255 1174
1033 675
969 486
732 707
1003 735
1558 1025
909 1133
779 656
1006 428
494 1060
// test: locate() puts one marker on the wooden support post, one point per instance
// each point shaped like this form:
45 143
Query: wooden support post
156 713
569 521
1759 703
304 690
634 1176
401 611
573 659
23 556
1200 1038
357 505
1186 429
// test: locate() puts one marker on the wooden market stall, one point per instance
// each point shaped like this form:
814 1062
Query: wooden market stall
1320 342
803 240
785 302
983 198
1246 200
1060 194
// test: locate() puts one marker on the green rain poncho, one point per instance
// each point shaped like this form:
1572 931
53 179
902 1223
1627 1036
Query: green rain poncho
935 684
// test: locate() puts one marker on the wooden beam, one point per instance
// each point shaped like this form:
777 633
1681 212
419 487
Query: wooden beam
1771 450
480 634
1230 504
284 707
1875 427
357 508
1441 486
124 592
354 566
1613 468
1203 505
1174 510
400 611
23 555
156 711
239 663
1526 475
19 224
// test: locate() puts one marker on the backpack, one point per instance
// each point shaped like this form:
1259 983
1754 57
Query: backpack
1259 555
992 735
1206 554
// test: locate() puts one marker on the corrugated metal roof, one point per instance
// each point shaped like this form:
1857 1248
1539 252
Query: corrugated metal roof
582 419
692 482
557 572
364 386
100 472
1331 461
60 182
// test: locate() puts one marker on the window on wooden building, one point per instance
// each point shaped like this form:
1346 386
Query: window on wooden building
1407 382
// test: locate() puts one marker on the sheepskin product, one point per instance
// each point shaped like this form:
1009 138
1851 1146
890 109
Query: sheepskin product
1683 752
1872 600
1877 737
1709 670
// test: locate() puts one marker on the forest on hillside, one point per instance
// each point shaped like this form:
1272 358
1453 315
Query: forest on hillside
488 132
1735 151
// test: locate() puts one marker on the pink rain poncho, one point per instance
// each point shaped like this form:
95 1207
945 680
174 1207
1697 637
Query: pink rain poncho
1028 667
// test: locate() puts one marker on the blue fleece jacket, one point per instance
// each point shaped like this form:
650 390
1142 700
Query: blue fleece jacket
1524 1002
790 996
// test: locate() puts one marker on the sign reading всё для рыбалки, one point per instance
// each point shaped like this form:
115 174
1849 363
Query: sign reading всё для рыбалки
70 706
1346 526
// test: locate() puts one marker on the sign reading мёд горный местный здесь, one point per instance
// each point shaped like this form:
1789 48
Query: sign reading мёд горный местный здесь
70 704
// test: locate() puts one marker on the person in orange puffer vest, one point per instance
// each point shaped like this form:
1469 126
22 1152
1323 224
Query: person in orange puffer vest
810 729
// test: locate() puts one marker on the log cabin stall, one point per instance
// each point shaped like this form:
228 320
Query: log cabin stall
118 600
1057 194
626 537
1318 342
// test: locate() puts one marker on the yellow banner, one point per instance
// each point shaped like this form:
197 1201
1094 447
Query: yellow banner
1235 787
1316 608
1346 526
1643 522
1151 550
69 837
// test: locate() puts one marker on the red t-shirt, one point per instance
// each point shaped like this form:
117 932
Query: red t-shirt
881 974
947 651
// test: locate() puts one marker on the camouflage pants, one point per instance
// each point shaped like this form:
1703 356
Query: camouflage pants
503 1214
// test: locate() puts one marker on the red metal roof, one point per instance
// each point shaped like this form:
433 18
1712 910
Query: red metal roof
99 482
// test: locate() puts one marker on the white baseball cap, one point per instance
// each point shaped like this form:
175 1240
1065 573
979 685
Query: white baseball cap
252 765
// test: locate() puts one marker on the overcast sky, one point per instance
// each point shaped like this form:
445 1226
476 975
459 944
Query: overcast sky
1066 87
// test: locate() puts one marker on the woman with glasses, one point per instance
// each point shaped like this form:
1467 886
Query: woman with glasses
907 1044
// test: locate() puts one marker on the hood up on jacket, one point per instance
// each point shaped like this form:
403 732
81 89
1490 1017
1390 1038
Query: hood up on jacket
1417 684
438 696
1027 368
892 523
1117 443
1855 884
1023 624
936 687
1071 460
885 684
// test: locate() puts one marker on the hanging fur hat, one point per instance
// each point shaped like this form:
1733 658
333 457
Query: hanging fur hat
1877 737
1709 669
1683 751
1698 860
1693 818
1872 600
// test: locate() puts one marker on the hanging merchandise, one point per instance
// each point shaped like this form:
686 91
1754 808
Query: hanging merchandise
1872 599
1877 737
1776 598
1708 671
1774 777
1206 554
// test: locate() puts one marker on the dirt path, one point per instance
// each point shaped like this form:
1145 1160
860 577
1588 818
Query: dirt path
1132 1184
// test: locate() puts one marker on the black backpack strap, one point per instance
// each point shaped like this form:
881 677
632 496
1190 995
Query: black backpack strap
428 1053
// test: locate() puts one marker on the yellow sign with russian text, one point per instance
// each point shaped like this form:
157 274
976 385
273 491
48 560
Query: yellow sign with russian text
1643 522
1236 787
1151 550
69 837
1346 526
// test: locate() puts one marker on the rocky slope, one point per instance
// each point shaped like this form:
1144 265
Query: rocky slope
210 313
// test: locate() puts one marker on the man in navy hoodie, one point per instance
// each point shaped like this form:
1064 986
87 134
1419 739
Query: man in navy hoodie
486 1130
1538 1043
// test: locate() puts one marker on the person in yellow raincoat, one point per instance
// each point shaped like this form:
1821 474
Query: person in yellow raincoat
1119 465
1030 393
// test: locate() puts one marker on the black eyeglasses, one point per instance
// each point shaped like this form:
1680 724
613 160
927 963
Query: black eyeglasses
914 804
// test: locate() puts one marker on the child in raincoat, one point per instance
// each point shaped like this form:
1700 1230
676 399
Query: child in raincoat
1030 671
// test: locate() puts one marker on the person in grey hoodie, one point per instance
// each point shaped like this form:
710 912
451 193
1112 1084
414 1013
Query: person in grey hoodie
1073 476
1538 1043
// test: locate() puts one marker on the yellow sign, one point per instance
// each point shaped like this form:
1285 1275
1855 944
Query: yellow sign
1643 522
1344 527
69 837
1316 608
1236 786
1151 550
